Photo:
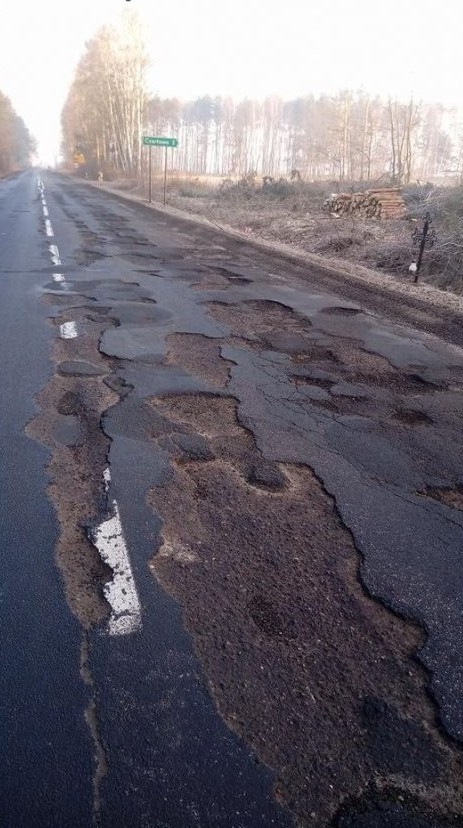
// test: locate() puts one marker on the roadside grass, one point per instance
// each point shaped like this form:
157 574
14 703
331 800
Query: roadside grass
292 212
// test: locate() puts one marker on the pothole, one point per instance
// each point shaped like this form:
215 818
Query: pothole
315 353
260 316
200 356
234 278
411 416
267 619
451 496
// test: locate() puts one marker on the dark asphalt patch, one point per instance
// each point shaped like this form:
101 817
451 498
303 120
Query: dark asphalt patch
411 416
67 430
397 742
137 256
266 475
391 811
76 368
342 311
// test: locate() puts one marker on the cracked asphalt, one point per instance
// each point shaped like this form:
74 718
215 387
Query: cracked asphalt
284 447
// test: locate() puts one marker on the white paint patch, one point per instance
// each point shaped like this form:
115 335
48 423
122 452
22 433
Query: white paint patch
49 228
55 254
121 592
45 210
68 330
58 277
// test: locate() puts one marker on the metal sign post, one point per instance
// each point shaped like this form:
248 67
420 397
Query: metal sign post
165 175
155 141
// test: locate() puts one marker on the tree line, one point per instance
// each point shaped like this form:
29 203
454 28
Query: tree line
351 136
16 143
346 137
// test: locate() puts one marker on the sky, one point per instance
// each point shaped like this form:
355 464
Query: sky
242 48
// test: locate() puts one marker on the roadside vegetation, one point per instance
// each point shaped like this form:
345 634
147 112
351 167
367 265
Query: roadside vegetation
293 213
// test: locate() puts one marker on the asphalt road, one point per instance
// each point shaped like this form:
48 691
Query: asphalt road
231 511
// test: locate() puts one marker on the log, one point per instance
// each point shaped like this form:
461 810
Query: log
379 203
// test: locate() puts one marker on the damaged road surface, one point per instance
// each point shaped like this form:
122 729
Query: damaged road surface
232 512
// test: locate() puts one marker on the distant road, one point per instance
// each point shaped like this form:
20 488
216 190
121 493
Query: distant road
231 503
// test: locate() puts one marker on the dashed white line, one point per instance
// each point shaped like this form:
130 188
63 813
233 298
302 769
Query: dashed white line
48 228
45 210
68 330
55 254
58 277
121 592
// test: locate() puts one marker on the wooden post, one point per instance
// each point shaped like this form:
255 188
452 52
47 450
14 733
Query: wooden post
423 242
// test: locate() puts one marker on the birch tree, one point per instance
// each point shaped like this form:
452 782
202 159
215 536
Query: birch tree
105 110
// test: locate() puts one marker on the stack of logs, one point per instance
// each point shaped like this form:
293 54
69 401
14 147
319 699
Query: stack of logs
384 203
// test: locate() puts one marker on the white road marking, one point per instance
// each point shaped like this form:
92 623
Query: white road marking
121 592
49 228
55 254
45 210
68 330
58 277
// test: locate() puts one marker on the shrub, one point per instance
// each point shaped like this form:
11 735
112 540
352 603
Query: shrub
279 189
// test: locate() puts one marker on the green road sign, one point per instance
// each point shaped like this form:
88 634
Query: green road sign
152 141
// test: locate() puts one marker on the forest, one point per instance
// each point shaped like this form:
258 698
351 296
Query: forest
16 143
350 136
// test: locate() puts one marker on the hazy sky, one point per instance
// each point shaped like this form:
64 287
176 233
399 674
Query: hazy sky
239 47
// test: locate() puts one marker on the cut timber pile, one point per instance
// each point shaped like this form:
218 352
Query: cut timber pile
384 203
